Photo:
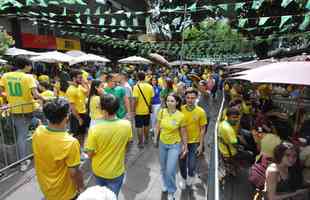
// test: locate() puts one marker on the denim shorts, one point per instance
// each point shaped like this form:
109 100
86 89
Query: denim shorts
113 184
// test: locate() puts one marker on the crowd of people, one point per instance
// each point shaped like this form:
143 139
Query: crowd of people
271 139
96 114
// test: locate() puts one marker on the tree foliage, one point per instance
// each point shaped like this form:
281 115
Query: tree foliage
216 37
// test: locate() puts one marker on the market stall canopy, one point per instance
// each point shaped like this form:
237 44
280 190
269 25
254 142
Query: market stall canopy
134 60
282 72
187 62
16 51
3 61
53 57
75 53
251 64
89 58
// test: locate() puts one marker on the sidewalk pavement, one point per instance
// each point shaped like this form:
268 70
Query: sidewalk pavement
142 180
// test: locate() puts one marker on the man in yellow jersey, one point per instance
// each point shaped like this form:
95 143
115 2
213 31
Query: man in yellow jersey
107 143
143 93
77 94
196 121
21 90
57 154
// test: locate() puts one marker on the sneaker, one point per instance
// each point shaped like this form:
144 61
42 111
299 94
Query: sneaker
183 184
25 165
170 196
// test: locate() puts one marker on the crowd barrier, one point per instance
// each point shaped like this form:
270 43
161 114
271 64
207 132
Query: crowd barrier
16 127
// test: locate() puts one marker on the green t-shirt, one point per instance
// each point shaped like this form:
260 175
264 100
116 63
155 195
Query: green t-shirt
119 92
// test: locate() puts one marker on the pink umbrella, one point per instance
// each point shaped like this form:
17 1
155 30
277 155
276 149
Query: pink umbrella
297 73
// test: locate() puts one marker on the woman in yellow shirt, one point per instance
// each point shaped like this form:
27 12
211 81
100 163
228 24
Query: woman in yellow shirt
173 141
93 104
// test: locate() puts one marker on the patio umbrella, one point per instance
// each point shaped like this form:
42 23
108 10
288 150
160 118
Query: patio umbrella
75 53
52 57
251 64
158 59
282 72
3 61
87 58
134 60
16 51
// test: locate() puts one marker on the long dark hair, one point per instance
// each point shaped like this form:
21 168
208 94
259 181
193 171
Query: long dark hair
177 98
93 91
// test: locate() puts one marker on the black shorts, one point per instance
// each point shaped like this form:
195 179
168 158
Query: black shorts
142 120
75 127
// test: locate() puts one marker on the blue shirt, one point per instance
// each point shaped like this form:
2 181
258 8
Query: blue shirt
156 98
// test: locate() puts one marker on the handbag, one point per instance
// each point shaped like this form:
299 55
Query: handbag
257 172
149 106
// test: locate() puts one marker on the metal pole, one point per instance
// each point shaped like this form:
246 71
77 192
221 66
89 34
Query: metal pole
182 44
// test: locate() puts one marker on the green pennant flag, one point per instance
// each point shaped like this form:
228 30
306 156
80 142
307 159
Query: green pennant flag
284 29
257 4
135 21
242 23
15 3
88 21
284 19
29 2
193 7
308 5
113 22
98 11
87 11
64 13
285 3
123 23
42 3
129 29
52 15
263 20
224 6
78 21
239 6
101 21
304 25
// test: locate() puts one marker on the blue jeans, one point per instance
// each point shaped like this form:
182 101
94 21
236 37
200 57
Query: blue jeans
189 163
168 158
113 184
21 124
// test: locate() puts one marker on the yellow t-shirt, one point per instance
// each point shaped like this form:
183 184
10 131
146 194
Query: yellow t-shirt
77 96
95 111
18 87
55 151
108 139
141 106
194 120
170 125
47 94
227 137
85 75
60 93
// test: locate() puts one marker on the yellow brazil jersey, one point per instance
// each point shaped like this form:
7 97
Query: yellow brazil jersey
108 140
227 137
18 87
170 125
141 106
161 82
55 151
47 94
44 78
60 93
95 110
194 120
77 96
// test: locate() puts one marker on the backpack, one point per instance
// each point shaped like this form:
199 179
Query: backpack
257 172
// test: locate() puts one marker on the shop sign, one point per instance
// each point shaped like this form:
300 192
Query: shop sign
68 44
38 41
